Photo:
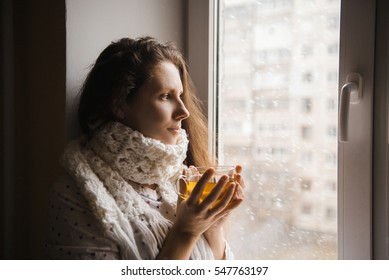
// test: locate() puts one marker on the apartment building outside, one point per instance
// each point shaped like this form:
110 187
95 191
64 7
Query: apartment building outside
278 87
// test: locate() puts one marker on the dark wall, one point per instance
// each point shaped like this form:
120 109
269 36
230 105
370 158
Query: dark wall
33 125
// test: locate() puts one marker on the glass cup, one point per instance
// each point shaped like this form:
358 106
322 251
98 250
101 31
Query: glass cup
193 174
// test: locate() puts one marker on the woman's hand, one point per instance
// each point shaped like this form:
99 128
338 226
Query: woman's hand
215 235
238 196
194 217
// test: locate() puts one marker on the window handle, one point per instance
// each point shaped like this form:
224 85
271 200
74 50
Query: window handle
351 93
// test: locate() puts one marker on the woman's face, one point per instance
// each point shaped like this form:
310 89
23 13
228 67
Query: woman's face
158 111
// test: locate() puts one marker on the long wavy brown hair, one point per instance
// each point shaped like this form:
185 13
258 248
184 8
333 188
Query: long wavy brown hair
120 70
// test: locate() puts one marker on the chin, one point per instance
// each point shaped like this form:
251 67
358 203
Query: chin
169 141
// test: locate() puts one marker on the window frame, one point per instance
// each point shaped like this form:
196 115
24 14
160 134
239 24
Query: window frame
381 135
355 157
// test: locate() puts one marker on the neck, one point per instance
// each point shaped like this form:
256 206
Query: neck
138 158
153 186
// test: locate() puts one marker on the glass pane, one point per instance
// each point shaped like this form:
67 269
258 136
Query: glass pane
278 85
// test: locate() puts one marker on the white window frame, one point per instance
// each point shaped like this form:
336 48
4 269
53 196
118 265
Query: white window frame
355 157
202 59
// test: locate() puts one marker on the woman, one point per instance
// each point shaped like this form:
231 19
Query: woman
138 112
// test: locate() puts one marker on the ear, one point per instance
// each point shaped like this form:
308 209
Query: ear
118 110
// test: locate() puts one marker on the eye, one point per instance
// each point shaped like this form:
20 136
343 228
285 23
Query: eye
164 96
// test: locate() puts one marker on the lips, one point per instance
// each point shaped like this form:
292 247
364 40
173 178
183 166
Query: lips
175 129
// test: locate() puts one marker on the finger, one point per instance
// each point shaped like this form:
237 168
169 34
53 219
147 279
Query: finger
198 189
242 183
239 179
192 169
239 192
222 204
234 204
215 193
237 198
181 186
181 189
227 211
220 216
238 168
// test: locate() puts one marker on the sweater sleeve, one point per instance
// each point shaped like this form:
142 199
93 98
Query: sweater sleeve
229 253
72 230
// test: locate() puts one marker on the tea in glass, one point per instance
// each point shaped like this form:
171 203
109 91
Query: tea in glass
193 175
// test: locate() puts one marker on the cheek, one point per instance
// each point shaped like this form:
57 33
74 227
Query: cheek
154 117
159 112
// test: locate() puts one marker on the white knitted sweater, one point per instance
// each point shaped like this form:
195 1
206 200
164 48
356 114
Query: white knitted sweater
108 166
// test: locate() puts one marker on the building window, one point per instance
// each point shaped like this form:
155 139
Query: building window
306 185
332 76
333 22
330 213
306 50
331 105
330 186
332 131
307 77
333 49
306 158
306 209
306 132
307 105
331 159
271 103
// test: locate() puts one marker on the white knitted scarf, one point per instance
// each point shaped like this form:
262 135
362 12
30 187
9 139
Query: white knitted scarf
105 167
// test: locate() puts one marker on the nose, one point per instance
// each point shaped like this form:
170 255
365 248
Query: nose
181 112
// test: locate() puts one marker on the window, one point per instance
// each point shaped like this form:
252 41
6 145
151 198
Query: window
306 185
306 158
273 153
332 105
276 189
331 131
333 22
306 50
307 105
332 77
270 103
287 151
330 159
306 132
330 213
330 186
306 209
307 77
333 49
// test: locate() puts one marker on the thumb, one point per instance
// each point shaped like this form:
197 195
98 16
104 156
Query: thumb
181 189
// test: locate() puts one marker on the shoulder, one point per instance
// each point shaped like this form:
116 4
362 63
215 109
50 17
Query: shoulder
73 230
63 182
66 196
